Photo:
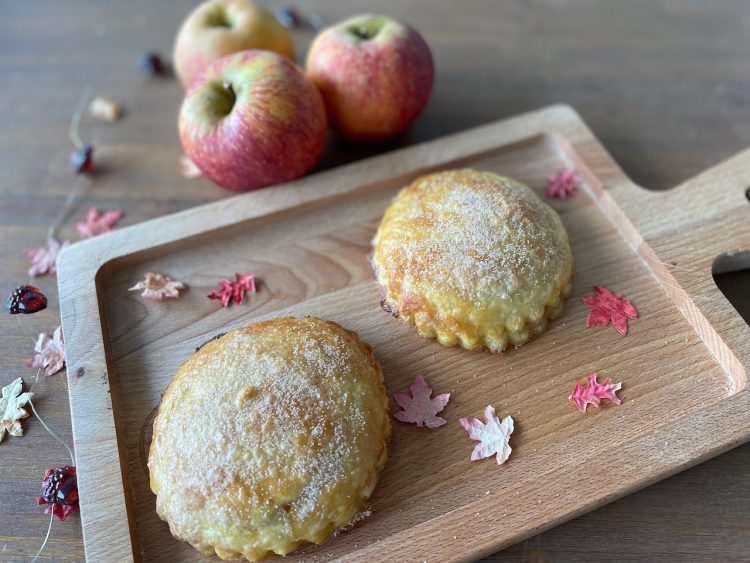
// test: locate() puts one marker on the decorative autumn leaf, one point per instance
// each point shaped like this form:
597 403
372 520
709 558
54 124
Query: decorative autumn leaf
157 287
493 437
234 290
582 396
420 408
60 492
607 306
50 353
43 259
11 408
97 223
563 184
188 169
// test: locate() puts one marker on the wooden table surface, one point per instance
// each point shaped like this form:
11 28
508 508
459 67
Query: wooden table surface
664 84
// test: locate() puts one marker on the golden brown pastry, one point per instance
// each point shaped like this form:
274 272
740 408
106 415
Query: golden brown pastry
270 436
472 259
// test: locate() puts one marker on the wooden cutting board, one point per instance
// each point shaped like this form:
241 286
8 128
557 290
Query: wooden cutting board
683 364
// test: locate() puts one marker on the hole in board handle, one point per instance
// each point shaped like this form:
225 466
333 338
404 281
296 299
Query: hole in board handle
731 272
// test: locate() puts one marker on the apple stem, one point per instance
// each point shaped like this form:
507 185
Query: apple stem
230 90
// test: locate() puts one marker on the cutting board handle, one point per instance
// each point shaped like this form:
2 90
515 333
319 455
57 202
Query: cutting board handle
695 230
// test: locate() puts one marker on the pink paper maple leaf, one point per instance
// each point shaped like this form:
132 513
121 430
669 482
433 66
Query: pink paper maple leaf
43 259
50 353
234 290
420 408
158 286
563 184
582 396
607 306
493 437
96 223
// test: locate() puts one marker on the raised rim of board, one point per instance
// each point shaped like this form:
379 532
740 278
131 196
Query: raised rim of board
713 199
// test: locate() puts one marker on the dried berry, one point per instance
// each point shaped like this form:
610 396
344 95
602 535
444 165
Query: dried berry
60 491
290 17
153 64
26 299
82 160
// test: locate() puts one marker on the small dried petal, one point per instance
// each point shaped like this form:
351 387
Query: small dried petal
104 109
188 169
582 396
26 299
82 159
11 408
419 408
157 287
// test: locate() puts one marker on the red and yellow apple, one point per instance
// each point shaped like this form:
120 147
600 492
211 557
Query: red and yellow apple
253 119
218 28
375 75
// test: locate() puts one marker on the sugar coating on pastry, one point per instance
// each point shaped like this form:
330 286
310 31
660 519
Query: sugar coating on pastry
270 436
473 259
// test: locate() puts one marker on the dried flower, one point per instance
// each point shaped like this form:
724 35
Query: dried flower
563 184
50 352
43 259
104 109
157 287
97 223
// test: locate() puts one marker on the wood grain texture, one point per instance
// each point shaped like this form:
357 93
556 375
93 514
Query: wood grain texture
664 84
308 244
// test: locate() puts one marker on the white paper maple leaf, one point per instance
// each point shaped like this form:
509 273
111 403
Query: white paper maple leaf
50 353
420 408
493 437
158 286
11 404
43 259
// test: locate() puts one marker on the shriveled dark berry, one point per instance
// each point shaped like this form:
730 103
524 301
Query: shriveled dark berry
290 17
60 491
26 299
153 64
82 160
